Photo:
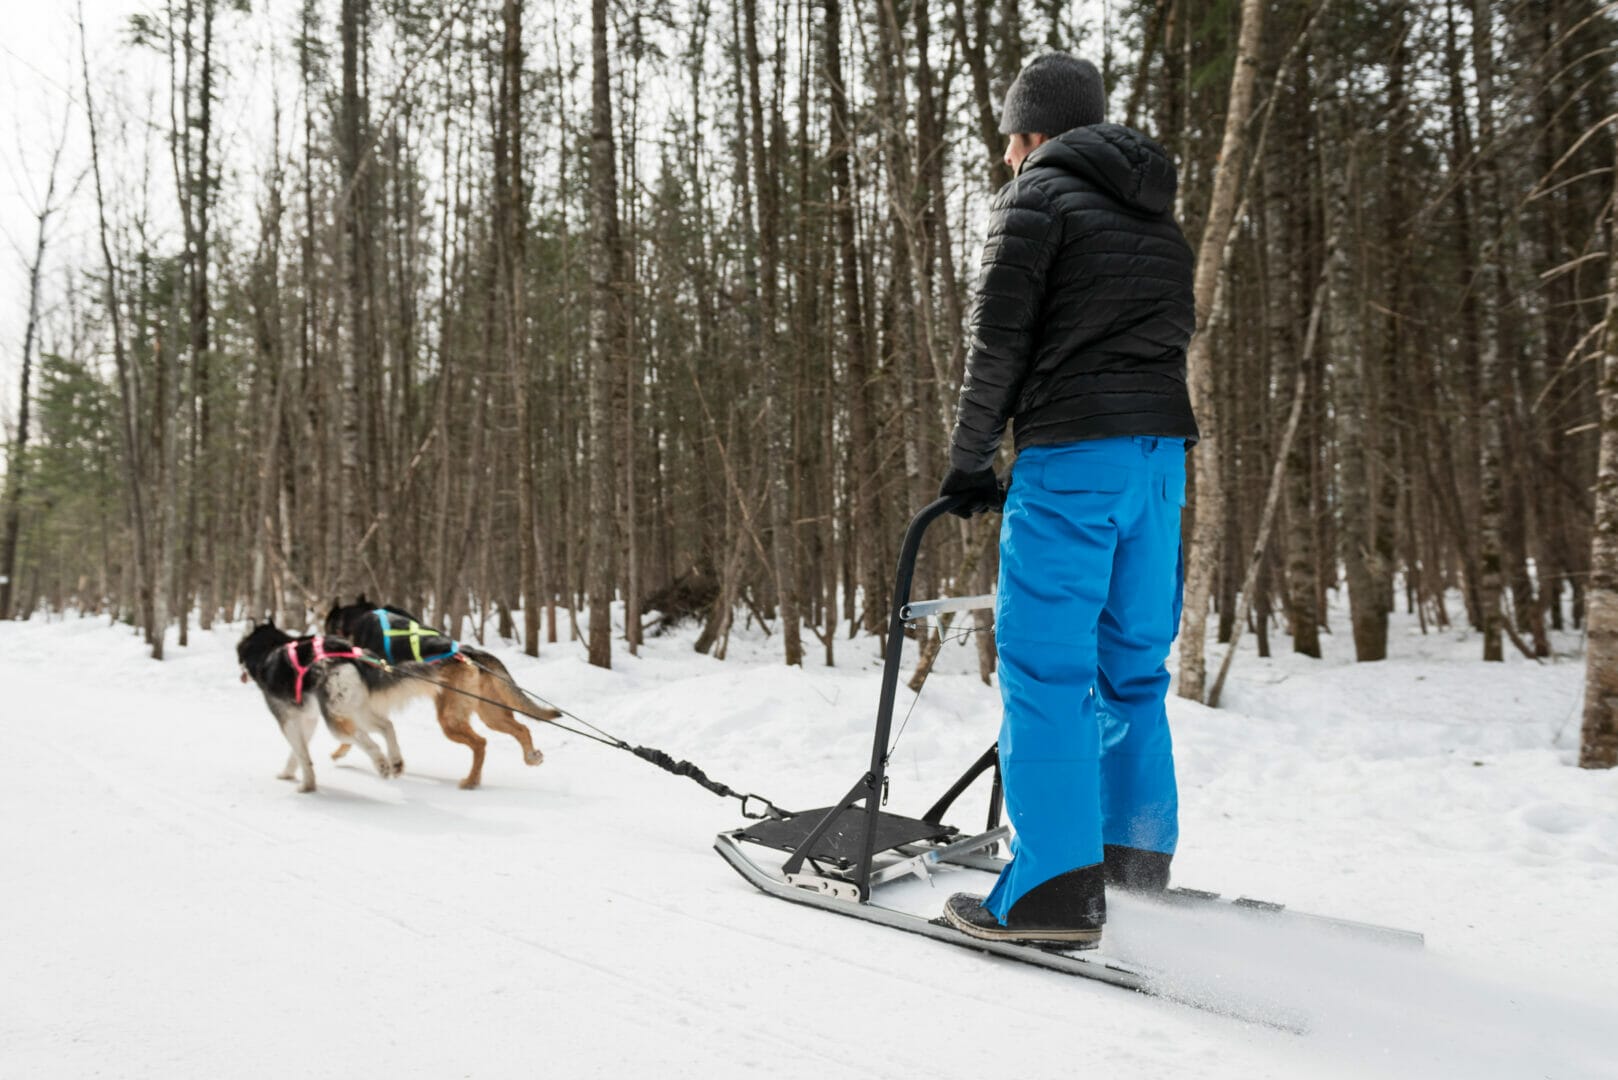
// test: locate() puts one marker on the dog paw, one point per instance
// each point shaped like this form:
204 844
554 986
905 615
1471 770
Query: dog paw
342 748
398 767
470 784
288 775
304 789
537 757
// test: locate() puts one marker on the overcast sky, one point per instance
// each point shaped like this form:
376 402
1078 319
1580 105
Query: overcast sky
39 84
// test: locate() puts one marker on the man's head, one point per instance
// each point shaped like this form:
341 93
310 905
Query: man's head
1020 145
1054 93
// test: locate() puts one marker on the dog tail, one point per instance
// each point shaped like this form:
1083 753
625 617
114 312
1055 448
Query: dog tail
500 685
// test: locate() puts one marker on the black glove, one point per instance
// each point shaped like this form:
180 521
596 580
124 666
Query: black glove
983 492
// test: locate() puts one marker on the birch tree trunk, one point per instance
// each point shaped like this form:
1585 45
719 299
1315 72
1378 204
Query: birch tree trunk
266 305
1345 322
350 506
1208 503
1598 747
201 509
514 248
1492 297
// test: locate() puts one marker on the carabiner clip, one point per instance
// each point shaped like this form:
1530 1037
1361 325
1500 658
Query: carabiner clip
749 811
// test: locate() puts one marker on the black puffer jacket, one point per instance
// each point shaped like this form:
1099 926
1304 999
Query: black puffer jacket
1085 305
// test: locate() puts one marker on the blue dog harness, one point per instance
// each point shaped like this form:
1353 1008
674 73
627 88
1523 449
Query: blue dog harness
415 632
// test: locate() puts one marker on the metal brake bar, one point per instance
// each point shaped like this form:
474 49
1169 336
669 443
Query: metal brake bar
920 609
918 863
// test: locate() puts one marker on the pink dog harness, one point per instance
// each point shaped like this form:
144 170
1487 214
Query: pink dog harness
318 653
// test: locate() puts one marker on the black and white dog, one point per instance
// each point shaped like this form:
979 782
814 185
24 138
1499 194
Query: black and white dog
303 678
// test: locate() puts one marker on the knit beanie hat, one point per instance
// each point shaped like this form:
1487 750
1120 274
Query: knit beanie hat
1054 93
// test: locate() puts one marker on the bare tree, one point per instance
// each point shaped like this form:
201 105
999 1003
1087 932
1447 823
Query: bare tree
132 466
17 452
606 314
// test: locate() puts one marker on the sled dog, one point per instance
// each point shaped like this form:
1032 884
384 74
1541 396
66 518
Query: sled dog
312 676
458 671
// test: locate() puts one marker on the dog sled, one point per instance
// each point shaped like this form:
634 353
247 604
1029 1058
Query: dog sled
855 858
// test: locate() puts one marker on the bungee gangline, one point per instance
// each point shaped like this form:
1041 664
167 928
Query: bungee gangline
753 805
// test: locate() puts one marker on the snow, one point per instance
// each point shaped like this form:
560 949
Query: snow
170 909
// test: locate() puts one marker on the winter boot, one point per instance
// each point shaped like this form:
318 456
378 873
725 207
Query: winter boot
1136 869
1068 910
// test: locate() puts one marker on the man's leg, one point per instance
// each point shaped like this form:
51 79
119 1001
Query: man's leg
1056 552
1139 800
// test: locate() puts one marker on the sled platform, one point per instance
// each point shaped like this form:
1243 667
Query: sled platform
842 842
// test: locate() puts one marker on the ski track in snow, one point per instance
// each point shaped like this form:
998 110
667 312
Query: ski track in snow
173 910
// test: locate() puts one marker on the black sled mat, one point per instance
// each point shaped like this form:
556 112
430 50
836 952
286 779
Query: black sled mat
843 842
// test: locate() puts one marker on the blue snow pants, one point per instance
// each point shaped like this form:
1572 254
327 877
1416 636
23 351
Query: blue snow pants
1089 604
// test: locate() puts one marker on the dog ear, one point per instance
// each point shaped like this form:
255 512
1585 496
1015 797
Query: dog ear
360 599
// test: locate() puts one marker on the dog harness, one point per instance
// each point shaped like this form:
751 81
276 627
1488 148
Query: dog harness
318 652
415 632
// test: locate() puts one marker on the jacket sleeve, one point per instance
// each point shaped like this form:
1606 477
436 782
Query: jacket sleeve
1024 233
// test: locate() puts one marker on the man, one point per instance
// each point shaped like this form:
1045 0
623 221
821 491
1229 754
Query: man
1079 335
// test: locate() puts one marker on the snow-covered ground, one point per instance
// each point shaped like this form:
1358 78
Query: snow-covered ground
170 909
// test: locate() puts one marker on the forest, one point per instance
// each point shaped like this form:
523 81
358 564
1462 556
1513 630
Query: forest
512 315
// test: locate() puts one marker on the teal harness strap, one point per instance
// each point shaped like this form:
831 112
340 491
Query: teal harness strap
387 633
415 632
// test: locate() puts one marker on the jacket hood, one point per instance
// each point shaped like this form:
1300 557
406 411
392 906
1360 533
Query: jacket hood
1119 160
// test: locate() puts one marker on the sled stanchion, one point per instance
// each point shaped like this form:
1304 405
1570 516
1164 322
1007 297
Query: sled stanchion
795 863
996 792
991 757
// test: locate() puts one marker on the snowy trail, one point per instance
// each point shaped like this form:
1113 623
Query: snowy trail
173 910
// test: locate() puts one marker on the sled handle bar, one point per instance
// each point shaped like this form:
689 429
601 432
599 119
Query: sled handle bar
869 787
890 673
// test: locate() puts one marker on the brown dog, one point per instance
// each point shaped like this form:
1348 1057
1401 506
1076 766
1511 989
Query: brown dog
463 680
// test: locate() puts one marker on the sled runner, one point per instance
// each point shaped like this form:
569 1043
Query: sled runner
853 857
